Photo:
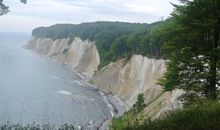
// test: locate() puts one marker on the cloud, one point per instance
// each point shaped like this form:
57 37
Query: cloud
47 12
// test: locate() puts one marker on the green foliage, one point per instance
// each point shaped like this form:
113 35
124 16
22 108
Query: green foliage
190 39
114 40
193 45
203 116
4 9
139 105
119 123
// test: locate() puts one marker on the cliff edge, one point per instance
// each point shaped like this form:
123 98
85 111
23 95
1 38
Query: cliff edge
123 78
76 53
127 79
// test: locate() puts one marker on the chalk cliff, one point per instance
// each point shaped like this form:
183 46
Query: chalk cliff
76 53
127 79
123 78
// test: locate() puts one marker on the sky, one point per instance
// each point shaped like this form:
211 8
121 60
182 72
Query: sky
25 17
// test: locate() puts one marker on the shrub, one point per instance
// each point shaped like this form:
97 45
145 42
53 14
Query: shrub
203 116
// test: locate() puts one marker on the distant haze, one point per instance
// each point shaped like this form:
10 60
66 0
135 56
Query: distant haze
23 18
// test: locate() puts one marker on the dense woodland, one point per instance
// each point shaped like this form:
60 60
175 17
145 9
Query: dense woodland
189 40
114 40
191 43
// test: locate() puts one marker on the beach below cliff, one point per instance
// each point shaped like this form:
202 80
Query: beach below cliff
114 103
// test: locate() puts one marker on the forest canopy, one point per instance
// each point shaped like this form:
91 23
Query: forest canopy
114 40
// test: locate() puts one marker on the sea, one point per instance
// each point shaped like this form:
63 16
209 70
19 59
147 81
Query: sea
36 90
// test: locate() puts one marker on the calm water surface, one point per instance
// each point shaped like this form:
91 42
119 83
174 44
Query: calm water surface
35 89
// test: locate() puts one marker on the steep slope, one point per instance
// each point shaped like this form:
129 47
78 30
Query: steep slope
127 79
82 46
124 78
162 104
114 40
77 54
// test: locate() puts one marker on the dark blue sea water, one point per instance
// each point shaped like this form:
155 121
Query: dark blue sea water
33 88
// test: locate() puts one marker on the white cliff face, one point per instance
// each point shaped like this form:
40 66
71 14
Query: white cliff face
127 79
140 75
124 79
77 54
170 102
162 104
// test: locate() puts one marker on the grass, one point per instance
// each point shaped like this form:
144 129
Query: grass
202 116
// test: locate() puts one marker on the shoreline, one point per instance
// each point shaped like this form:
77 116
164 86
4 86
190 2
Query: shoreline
116 106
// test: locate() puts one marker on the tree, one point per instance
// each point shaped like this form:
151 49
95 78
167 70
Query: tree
139 105
5 9
194 46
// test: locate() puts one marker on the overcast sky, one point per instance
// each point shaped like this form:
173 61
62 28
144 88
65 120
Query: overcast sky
23 18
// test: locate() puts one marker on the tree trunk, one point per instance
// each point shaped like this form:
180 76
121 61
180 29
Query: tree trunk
213 64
